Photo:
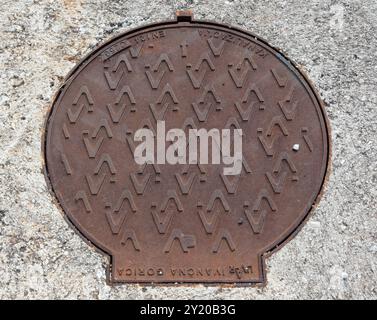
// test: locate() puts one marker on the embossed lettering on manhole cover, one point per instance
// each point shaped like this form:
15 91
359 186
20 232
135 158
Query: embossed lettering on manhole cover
186 222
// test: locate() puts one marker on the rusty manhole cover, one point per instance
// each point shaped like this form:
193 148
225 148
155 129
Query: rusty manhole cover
186 223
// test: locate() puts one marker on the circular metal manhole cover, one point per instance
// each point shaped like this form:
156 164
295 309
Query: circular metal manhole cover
186 222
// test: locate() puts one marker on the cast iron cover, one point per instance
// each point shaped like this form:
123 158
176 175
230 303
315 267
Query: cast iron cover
186 223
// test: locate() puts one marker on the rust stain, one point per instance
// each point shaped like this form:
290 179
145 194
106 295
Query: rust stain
72 4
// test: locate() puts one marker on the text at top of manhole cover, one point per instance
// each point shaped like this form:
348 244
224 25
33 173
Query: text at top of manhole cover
186 222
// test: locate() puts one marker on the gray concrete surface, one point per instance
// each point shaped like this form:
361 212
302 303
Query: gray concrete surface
335 254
